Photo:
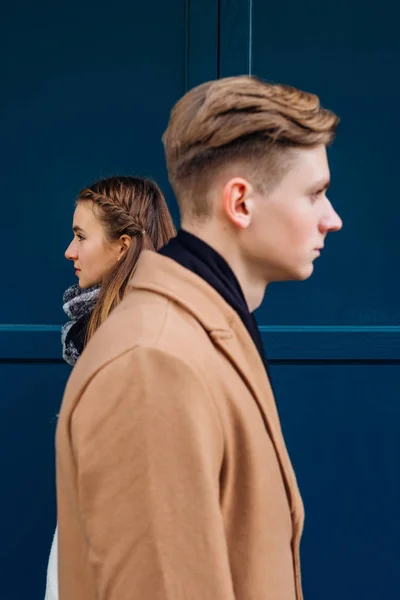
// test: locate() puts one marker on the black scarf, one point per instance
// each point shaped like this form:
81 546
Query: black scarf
197 256
78 305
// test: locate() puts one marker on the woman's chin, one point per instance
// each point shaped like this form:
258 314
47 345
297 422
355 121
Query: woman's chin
85 285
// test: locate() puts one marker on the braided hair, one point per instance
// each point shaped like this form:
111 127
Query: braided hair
133 206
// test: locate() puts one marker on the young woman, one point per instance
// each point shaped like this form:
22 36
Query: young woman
114 220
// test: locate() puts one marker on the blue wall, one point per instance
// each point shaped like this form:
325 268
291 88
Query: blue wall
336 341
87 90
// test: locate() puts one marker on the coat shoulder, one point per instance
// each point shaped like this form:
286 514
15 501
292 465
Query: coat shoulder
142 320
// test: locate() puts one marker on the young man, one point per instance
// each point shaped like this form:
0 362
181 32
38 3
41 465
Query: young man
173 477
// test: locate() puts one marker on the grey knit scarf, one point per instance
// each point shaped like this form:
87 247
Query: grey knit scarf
78 305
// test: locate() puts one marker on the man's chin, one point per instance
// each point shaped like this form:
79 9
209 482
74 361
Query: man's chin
308 271
292 274
301 274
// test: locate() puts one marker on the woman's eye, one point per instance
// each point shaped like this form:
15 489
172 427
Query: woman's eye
80 237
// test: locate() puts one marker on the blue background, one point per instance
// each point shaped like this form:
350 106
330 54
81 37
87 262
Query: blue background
86 92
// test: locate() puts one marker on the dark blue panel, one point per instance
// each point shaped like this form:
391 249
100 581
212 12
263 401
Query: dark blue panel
86 93
202 41
42 343
30 343
334 344
235 31
342 427
28 414
349 54
331 343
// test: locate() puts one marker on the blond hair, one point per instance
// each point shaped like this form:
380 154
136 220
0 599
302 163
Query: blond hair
238 119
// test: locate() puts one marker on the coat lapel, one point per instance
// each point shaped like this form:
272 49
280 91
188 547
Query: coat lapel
166 277
239 348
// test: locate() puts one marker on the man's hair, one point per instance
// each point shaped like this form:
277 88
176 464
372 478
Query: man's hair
241 120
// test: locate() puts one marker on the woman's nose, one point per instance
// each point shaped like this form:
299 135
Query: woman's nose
70 252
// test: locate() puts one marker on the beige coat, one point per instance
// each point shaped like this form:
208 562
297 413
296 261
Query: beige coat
173 478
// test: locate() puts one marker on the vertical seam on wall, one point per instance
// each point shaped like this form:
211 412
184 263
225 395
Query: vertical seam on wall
250 63
219 41
187 41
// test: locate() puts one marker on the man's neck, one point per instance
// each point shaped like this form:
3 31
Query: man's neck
253 289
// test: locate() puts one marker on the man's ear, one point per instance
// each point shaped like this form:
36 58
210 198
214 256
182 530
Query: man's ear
238 202
124 244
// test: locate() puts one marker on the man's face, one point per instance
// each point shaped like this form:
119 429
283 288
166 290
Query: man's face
289 225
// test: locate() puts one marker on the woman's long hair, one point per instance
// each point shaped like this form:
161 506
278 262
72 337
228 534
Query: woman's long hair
133 206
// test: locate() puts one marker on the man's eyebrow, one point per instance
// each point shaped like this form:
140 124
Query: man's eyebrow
322 184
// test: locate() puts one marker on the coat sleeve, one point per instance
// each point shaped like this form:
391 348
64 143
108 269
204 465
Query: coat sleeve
149 448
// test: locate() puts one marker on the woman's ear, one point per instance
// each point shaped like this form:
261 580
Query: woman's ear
124 244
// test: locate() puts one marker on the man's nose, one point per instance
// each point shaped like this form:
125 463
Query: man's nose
330 221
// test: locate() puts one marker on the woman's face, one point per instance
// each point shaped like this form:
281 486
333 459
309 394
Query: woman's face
92 254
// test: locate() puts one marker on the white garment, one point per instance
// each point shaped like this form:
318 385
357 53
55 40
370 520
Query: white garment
52 571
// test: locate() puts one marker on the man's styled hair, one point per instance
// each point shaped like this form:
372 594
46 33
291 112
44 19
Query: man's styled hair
239 120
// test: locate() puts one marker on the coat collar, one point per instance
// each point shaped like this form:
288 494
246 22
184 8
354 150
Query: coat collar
166 277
